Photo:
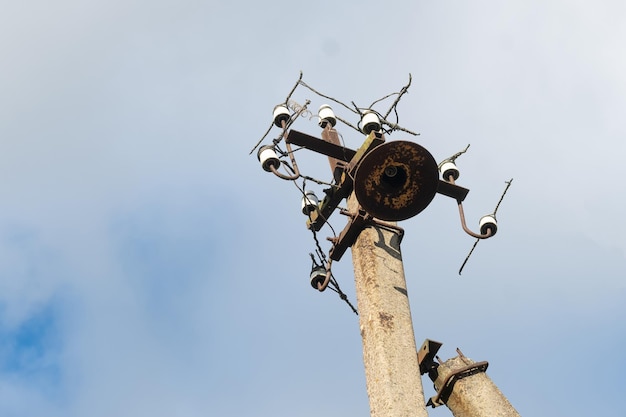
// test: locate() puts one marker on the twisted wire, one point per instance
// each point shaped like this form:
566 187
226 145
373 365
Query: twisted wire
333 284
392 126
296 107
342 295
508 184
456 155
402 92
299 108
347 123
468 256
382 98
323 95
261 140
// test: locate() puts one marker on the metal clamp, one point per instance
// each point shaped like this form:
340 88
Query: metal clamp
358 221
448 384
427 354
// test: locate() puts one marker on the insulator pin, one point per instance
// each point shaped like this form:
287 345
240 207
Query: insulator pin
318 276
309 203
268 158
487 223
327 116
281 114
447 169
370 122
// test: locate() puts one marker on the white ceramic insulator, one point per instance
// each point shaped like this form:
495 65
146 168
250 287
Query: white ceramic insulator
281 113
448 168
488 222
326 115
309 203
268 158
318 274
370 122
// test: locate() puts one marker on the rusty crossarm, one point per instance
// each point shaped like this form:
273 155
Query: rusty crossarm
344 186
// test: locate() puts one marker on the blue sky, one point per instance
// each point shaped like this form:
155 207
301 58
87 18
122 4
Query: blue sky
149 266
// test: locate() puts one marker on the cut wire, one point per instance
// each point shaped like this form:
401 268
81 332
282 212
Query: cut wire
508 184
468 256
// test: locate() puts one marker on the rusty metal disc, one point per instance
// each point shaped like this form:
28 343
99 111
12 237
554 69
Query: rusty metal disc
396 180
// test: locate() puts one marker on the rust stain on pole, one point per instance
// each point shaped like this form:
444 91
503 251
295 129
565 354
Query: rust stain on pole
386 320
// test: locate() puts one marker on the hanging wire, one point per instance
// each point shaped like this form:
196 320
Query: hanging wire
289 167
334 285
392 126
321 254
402 92
325 96
342 295
395 126
381 99
262 137
393 107
295 106
315 180
344 121
468 256
508 184
272 124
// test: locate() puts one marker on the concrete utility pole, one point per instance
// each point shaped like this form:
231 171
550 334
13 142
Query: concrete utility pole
392 372
384 182
467 391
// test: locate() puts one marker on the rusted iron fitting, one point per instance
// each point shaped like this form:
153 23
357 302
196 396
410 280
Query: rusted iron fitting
389 226
448 384
372 220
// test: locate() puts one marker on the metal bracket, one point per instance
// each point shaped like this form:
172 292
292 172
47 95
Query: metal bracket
427 354
348 235
452 190
324 147
358 222
448 384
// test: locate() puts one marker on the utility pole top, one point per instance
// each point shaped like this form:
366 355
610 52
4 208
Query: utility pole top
383 182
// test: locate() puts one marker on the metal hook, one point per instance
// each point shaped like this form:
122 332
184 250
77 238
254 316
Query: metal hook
508 184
